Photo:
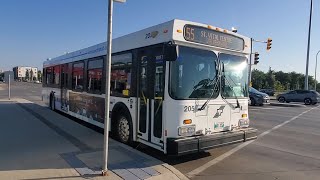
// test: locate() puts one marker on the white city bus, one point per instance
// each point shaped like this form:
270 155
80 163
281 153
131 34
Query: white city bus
180 87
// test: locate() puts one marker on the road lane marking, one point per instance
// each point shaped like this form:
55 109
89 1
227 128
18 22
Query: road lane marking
200 169
255 109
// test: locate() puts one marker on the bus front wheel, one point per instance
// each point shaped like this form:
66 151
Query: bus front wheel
124 128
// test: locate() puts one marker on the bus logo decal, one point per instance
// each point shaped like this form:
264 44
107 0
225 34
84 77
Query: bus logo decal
219 112
153 34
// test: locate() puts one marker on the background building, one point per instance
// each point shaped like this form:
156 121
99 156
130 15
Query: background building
25 73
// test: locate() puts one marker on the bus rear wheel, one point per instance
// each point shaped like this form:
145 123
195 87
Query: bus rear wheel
124 129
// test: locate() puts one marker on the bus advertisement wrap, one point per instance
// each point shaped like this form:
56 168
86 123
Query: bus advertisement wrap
88 106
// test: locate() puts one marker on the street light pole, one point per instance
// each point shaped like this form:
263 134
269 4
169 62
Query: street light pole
107 91
315 72
308 50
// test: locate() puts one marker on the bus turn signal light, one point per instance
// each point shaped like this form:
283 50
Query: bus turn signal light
244 115
187 121
179 31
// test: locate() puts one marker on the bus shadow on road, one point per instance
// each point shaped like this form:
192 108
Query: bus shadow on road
38 143
172 160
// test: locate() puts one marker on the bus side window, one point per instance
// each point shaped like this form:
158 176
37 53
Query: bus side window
56 75
77 76
121 68
94 74
49 75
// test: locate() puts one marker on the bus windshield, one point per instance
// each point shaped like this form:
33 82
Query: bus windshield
235 76
193 74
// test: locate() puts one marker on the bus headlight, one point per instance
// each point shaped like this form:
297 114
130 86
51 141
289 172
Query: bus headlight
187 130
244 123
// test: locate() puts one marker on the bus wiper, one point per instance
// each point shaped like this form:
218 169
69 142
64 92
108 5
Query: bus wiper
215 84
203 82
228 83
238 105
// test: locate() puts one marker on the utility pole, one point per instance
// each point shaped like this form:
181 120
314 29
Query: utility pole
306 87
315 72
107 95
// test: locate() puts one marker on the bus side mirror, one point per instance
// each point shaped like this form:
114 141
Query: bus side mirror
171 52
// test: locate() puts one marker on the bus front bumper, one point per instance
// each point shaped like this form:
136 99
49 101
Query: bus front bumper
189 145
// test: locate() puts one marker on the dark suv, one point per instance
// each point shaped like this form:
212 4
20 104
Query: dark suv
257 97
306 96
270 92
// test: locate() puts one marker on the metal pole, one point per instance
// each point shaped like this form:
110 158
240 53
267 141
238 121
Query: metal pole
315 72
9 83
308 50
250 64
107 95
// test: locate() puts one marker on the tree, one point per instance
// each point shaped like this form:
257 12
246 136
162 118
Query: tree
311 82
278 86
39 75
258 79
270 78
280 80
31 75
27 74
294 80
283 78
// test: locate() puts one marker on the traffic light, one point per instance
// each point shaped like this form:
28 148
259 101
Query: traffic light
269 43
256 58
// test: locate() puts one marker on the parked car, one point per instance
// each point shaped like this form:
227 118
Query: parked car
257 97
306 96
270 92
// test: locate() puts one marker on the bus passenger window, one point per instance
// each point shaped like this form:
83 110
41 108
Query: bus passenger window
121 67
64 75
56 75
77 76
94 82
48 75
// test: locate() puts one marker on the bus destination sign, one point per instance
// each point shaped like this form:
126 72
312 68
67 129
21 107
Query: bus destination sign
213 38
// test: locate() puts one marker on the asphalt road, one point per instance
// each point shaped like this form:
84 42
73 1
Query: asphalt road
287 147
29 91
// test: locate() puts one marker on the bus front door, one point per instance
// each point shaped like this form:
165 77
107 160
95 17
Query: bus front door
151 92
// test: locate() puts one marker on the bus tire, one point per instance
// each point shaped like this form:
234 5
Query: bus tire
52 104
123 129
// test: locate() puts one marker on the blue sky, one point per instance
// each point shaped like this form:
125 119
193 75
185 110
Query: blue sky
33 30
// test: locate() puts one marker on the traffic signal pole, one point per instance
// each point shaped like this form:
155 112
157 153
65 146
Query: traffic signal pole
250 64
256 56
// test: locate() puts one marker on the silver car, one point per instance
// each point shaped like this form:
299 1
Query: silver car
306 96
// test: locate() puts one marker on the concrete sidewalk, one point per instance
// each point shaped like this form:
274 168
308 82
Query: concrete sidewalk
37 143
